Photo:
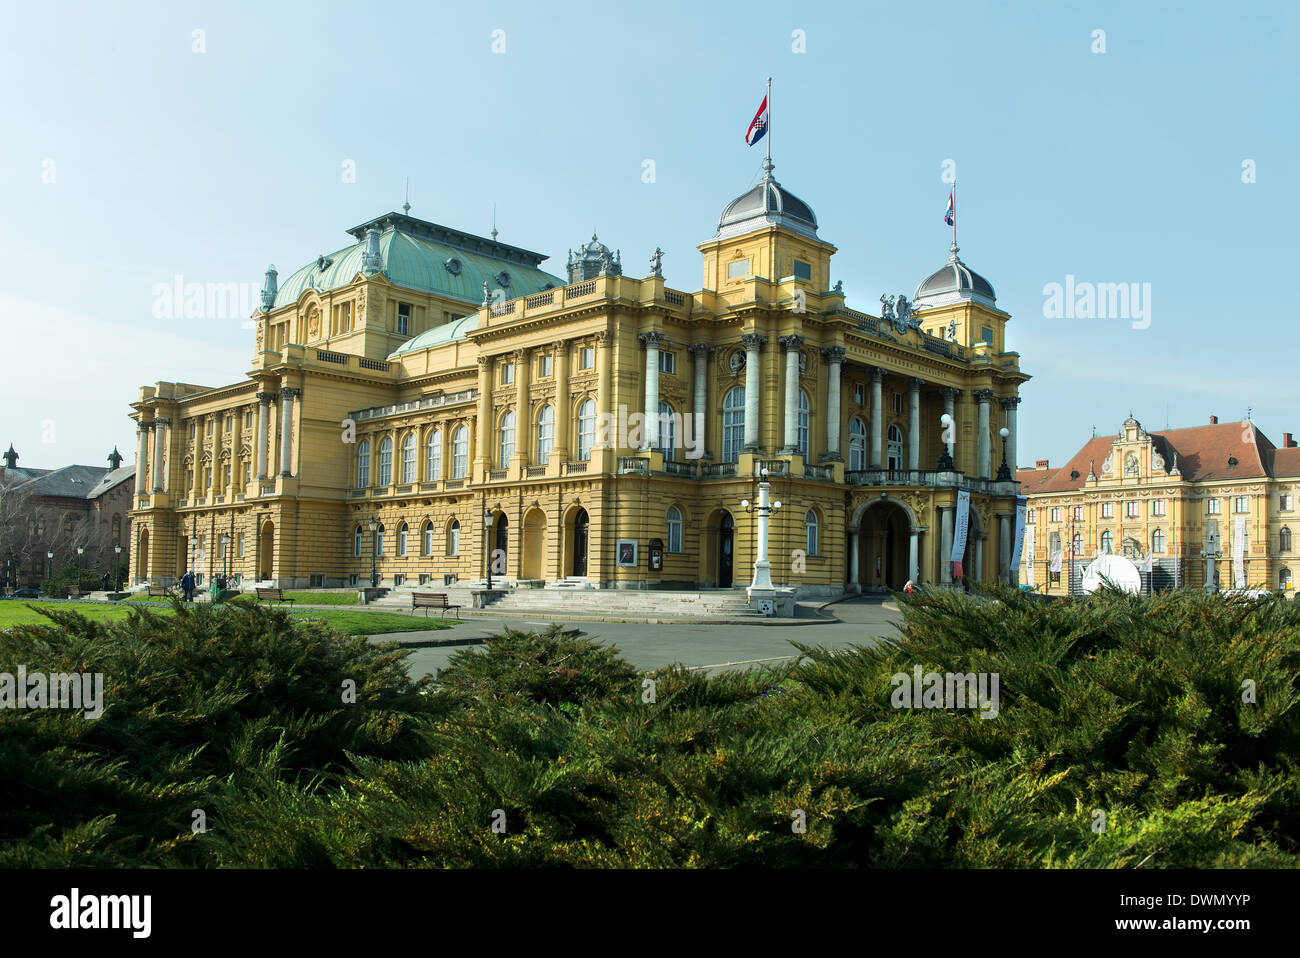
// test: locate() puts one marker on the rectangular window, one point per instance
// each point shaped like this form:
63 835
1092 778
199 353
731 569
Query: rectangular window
1284 502
403 319
588 357
860 393
191 428
802 270
986 334
507 373
239 545
345 318
211 425
738 269
230 423
1078 513
248 420
1107 510
1158 507
898 402
667 362
1131 510
547 365
1056 514
1241 504
226 481
1029 517
1212 506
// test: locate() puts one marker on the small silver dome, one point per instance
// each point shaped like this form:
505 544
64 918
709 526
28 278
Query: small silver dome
952 282
767 204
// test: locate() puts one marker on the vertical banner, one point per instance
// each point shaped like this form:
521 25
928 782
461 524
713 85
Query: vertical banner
959 530
1239 553
1056 561
1019 542
1029 556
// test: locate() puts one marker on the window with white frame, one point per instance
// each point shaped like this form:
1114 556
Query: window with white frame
587 357
1284 580
1158 541
1031 517
1212 506
810 532
460 452
857 444
545 434
1131 509
586 428
1241 504
733 423
403 319
1284 502
433 457
408 458
804 422
363 464
674 529
1056 514
386 462
667 362
507 373
860 393
356 542
453 538
546 365
507 444
1107 510
401 539
667 430
428 538
1107 543
1158 507
1078 513
379 540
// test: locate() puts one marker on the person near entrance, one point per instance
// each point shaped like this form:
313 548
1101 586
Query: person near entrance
187 586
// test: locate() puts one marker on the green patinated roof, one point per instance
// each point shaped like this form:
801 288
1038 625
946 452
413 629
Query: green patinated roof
439 335
414 254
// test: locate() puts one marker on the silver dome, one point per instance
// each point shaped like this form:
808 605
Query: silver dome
767 204
952 282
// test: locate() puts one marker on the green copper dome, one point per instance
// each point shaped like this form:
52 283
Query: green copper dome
439 335
421 255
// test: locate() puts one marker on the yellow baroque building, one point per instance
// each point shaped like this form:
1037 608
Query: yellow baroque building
442 388
1186 498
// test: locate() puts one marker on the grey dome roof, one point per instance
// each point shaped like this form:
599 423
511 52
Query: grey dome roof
952 282
768 204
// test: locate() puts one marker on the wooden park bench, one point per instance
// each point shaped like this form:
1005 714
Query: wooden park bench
276 594
432 600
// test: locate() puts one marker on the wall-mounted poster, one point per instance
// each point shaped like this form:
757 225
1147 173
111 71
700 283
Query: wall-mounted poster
626 552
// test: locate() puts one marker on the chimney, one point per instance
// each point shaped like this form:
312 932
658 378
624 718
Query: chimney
1040 464
1287 441
1214 420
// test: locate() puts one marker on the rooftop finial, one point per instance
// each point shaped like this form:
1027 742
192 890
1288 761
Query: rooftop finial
406 206
494 221
11 457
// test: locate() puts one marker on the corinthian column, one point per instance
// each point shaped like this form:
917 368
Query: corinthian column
1009 405
982 397
263 427
560 352
141 456
159 447
753 344
652 341
287 395
791 346
483 427
914 424
834 358
700 353
877 417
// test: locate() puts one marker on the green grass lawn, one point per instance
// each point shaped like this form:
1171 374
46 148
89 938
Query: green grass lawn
333 597
353 623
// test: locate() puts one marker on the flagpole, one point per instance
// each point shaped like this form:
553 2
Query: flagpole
954 216
768 168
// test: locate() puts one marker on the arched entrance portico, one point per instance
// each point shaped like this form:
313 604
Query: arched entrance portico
881 549
142 556
266 550
577 539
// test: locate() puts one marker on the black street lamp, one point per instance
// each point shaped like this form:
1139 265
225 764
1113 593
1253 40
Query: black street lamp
49 569
487 537
374 573
1004 471
945 457
80 552
117 566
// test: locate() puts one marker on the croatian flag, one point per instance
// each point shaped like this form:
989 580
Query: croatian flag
758 125
950 213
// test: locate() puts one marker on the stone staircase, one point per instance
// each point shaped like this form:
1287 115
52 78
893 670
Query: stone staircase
573 601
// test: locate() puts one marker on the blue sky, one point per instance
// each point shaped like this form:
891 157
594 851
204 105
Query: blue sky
1122 166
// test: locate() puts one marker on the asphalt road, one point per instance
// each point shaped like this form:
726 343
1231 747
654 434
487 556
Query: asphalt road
708 647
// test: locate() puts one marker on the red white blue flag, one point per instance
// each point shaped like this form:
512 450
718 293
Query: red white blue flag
950 213
758 125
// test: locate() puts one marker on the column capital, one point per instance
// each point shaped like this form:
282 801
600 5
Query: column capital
145 425
485 362
877 374
267 398
982 395
601 335
792 342
700 350
160 421
290 393
652 339
753 341
520 356
951 394
915 383
559 346
833 354
1009 402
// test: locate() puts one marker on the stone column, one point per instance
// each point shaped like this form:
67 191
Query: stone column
914 424
949 406
287 395
483 427
141 456
523 414
263 432
651 341
834 359
877 417
1009 405
791 346
945 545
853 561
977 571
563 408
605 393
160 424
913 568
982 397
753 345
700 353
1004 548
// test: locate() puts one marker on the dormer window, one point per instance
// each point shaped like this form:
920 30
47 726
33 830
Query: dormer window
452 266
802 270
323 262
503 279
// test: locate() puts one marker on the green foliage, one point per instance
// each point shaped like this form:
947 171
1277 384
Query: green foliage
1128 706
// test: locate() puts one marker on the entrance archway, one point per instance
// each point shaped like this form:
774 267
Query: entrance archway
534 545
726 550
142 556
266 550
881 533
581 534
502 538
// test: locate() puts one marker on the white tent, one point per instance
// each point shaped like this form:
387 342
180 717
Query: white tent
1112 570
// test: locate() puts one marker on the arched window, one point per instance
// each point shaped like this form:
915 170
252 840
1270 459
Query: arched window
363 464
733 423
586 428
453 538
857 444
1107 543
408 458
1284 540
507 440
379 540
433 457
810 531
386 462
401 539
1158 541
667 432
895 448
804 418
545 434
674 529
356 542
428 538
1284 580
1054 542
1076 548
460 453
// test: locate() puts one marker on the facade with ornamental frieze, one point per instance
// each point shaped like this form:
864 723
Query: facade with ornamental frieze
424 377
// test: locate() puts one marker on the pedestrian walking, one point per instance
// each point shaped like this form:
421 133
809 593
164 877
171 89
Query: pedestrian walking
909 588
187 586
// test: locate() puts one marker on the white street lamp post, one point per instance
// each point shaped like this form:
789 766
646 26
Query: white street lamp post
762 567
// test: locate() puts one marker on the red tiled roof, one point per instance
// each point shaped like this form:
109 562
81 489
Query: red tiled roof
1032 480
1286 462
